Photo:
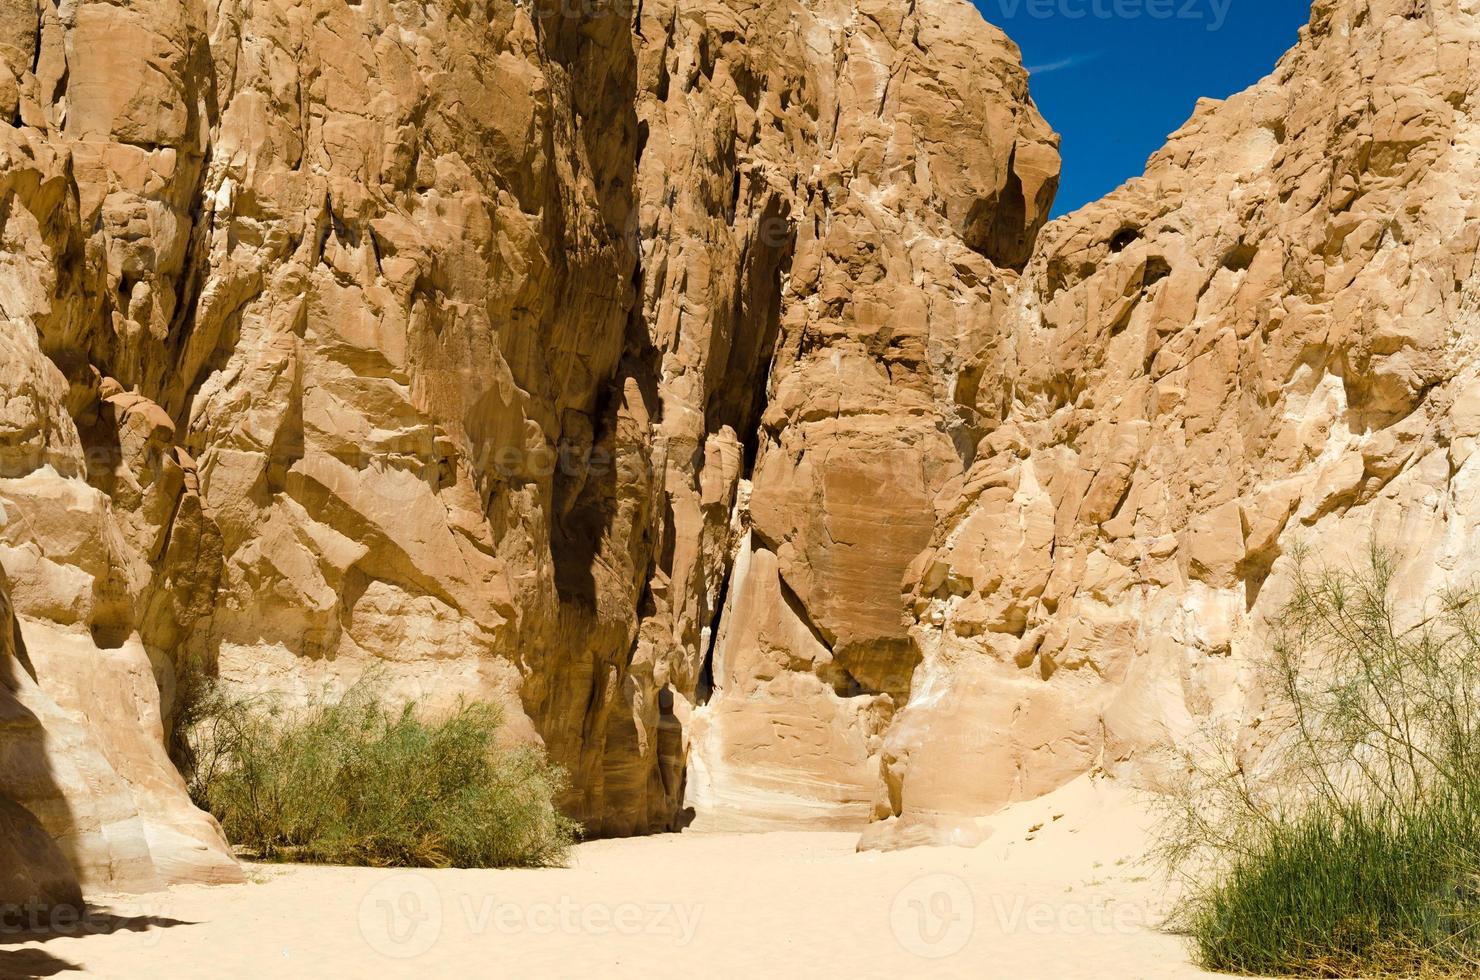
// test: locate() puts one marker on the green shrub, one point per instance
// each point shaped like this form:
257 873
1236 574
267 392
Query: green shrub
200 726
1351 847
354 782
1347 893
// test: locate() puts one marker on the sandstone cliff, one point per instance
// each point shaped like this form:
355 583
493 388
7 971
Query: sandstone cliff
440 337
693 380
891 171
1266 341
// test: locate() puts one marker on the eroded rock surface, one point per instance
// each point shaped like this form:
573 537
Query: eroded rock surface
1266 341
821 291
33 869
278 280
440 338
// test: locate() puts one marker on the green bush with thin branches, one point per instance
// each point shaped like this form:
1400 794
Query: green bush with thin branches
1351 847
353 781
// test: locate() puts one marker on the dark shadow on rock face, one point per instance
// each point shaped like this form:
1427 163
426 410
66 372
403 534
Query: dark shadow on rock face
35 869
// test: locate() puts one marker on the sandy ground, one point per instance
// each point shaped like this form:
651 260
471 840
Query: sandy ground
1067 900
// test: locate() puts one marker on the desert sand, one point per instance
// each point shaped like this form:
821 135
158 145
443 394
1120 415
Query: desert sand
1068 900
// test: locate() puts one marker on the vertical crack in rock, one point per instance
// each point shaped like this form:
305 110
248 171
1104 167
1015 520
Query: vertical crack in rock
453 342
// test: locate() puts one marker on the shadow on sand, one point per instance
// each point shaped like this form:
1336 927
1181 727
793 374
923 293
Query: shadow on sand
25 964
29 961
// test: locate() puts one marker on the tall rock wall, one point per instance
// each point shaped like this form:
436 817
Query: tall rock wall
848 186
295 297
438 339
1269 340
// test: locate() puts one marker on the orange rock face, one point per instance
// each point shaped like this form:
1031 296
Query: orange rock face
694 381
892 169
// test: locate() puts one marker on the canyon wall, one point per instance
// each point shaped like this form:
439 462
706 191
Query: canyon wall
437 340
693 380
1267 342
894 171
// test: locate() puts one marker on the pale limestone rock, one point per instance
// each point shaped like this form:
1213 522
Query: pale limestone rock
788 738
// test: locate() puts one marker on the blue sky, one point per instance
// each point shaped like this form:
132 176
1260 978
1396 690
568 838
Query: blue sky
1114 77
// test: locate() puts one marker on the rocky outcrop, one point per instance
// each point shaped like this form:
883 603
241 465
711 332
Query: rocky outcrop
440 339
693 380
1264 342
101 531
1267 341
298 296
34 873
820 286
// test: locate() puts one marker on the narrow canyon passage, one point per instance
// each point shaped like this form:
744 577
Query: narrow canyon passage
701 384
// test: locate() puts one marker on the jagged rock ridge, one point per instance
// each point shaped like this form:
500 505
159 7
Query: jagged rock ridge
1268 341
